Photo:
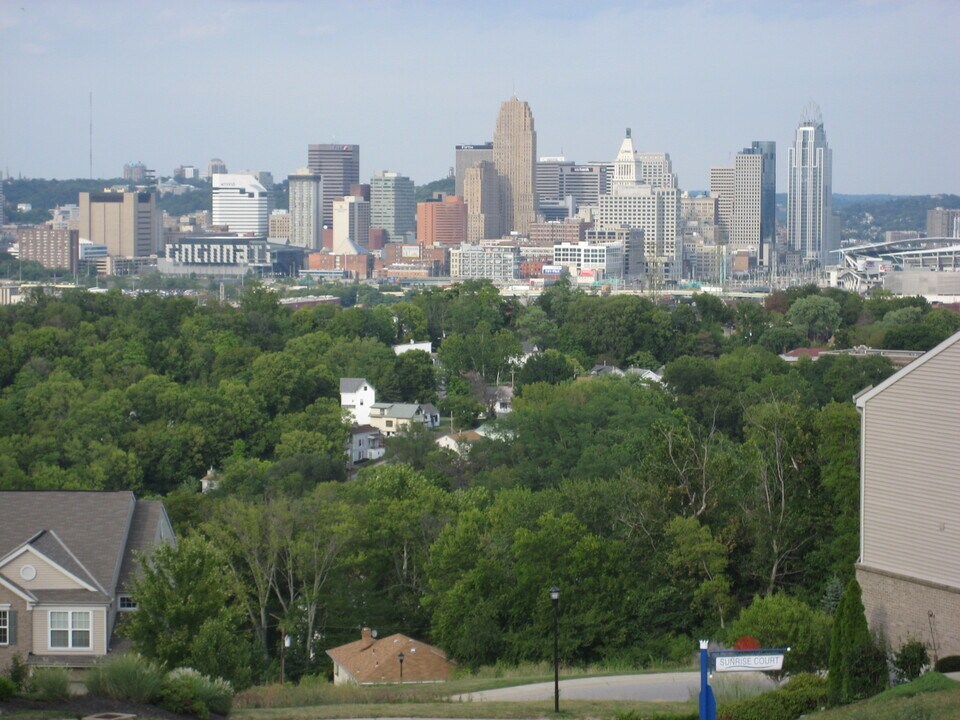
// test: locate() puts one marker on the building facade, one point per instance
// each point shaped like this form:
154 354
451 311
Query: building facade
351 225
306 209
481 186
515 157
54 249
943 223
340 167
442 222
500 264
229 256
128 223
467 156
810 196
241 203
393 205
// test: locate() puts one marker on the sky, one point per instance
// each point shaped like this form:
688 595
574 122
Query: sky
177 83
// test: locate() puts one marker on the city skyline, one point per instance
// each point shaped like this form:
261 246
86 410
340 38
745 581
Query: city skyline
703 79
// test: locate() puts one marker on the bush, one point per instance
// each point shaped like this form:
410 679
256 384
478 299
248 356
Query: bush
19 671
910 660
928 682
7 688
782 621
858 662
187 691
127 677
801 695
950 663
50 684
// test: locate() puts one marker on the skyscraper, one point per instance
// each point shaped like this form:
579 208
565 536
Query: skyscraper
340 167
515 157
746 199
306 209
392 204
810 201
241 203
467 157
442 221
351 225
481 189
128 223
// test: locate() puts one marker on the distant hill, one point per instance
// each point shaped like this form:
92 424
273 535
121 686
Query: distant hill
444 185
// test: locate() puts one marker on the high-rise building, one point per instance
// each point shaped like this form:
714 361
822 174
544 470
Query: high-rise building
810 197
241 203
216 167
515 157
634 203
278 228
442 221
941 222
723 184
746 199
340 167
467 157
481 187
393 205
549 179
2 202
351 225
128 223
585 183
137 172
306 209
54 249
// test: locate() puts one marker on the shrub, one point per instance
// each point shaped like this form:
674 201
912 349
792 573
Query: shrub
94 682
910 660
187 691
19 671
782 621
130 677
950 663
799 696
50 684
858 663
928 682
7 688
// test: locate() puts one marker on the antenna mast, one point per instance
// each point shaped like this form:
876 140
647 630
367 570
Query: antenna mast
91 134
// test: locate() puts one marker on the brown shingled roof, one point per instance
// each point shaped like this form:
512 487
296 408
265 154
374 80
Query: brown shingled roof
370 660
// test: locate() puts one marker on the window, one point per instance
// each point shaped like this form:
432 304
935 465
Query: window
127 603
69 629
4 627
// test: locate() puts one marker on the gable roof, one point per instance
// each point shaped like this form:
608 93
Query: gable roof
375 661
80 530
145 534
401 411
352 385
47 544
865 396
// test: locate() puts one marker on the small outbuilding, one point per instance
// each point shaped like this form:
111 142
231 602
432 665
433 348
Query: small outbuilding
393 659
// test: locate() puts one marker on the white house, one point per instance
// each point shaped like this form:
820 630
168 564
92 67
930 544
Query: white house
356 397
426 347
365 443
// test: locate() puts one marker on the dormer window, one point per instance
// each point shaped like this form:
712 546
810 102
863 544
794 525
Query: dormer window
126 603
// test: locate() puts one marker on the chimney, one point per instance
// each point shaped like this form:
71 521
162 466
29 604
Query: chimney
366 638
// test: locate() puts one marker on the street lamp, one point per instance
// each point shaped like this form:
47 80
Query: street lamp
555 598
400 658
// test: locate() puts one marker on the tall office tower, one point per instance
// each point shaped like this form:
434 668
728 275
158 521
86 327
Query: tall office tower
656 169
655 209
278 228
941 222
810 196
753 222
306 209
216 167
241 203
128 223
2 201
136 172
340 167
393 206
442 221
481 188
585 183
723 185
351 225
515 157
549 179
467 157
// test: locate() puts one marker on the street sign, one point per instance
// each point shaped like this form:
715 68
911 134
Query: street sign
748 663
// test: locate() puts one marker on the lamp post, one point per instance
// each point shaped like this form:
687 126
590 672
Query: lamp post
400 658
555 599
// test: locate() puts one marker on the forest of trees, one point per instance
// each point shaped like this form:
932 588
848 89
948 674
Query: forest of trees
661 511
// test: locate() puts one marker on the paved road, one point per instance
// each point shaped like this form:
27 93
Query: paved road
654 687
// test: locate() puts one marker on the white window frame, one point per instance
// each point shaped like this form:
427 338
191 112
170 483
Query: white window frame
5 626
70 629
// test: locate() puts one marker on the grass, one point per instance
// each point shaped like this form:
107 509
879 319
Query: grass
569 709
930 697
731 687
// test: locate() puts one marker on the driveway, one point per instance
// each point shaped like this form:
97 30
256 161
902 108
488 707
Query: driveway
653 687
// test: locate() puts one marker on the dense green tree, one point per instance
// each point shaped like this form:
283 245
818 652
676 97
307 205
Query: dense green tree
549 366
858 666
816 316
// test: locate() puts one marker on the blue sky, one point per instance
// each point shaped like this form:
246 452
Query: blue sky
255 82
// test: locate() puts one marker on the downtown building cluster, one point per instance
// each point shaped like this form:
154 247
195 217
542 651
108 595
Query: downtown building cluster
513 216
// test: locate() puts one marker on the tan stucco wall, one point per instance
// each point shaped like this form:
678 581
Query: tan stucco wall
48 577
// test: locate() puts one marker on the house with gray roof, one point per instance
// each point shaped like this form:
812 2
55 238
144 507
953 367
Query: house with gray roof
390 418
67 560
356 397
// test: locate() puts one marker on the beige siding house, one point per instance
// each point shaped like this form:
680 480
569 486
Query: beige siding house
66 562
909 565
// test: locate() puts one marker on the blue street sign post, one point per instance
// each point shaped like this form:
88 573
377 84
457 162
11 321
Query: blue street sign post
760 660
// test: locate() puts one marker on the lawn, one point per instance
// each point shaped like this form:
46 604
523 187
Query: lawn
932 697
